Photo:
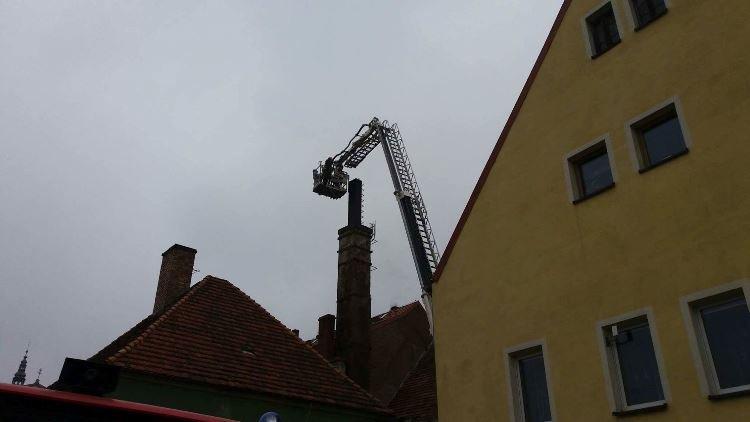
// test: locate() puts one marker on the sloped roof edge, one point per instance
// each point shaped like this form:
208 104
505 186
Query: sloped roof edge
500 141
393 314
151 327
417 395
132 339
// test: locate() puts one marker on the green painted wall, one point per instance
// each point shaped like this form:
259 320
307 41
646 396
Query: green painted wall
229 404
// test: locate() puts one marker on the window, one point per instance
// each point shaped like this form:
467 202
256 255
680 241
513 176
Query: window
528 379
590 171
658 138
647 11
602 30
633 368
721 325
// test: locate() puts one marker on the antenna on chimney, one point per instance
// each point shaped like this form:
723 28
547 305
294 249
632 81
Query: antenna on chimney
372 227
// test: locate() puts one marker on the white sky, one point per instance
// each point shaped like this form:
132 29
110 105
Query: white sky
127 126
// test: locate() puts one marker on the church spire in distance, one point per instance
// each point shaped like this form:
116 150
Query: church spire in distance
37 383
20 376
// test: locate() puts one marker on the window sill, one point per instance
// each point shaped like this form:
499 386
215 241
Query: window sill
593 194
599 54
743 391
664 161
655 407
654 19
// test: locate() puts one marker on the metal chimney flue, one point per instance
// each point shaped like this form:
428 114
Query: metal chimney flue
355 203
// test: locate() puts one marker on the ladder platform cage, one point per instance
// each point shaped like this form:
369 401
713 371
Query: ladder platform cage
330 182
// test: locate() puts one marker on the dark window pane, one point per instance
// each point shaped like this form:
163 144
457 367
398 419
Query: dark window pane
595 174
534 389
728 333
663 140
603 29
648 10
640 373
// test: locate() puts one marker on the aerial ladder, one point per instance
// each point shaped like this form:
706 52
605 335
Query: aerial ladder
330 179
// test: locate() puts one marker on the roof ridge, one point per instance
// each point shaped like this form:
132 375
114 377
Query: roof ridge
312 349
151 327
397 307
383 319
500 141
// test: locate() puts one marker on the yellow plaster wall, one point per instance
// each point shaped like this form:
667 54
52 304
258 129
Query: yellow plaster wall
530 265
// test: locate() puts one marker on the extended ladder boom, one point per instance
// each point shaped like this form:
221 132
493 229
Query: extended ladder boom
413 211
330 180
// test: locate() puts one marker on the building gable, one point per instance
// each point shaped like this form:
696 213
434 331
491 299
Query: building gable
531 268
500 142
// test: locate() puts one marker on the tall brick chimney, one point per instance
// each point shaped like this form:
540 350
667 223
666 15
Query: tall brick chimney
326 336
174 277
353 292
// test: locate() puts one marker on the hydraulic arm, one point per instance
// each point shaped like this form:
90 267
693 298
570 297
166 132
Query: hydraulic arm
330 180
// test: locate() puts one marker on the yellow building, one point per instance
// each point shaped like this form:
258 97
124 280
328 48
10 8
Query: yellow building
601 266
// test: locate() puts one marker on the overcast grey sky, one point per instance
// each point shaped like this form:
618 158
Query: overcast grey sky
127 126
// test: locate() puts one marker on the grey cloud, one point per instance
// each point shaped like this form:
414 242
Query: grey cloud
126 126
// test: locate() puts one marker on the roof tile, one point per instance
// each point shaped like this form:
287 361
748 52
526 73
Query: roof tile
218 335
417 397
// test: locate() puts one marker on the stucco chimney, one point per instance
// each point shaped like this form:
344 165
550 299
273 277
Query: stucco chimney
326 336
353 292
174 277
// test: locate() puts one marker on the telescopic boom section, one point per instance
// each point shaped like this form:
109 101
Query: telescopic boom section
330 180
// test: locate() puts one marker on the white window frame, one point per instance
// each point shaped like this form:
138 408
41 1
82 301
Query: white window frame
588 40
691 306
515 394
575 191
611 366
634 146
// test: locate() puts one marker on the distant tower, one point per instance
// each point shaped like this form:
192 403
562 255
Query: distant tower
37 383
20 377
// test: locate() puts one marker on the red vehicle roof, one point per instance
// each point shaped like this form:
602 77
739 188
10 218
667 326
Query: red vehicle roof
84 400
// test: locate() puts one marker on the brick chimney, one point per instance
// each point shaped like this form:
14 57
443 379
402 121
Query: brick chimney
174 277
326 336
353 292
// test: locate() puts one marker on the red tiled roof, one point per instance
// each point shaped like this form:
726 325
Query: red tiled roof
398 338
381 320
216 334
417 397
396 312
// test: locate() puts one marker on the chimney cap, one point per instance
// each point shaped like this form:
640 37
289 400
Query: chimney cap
327 316
178 247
